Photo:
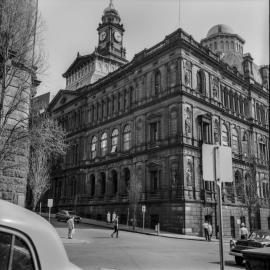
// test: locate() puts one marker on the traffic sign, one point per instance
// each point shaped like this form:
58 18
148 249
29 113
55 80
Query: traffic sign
50 202
143 208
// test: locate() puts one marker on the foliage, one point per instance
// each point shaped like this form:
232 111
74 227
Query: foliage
134 194
47 143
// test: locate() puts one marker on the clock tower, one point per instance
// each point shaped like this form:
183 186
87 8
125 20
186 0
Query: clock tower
110 33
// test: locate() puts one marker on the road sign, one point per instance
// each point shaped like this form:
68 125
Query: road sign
143 208
50 202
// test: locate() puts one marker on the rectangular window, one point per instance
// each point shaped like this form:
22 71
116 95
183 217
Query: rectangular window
154 180
268 223
153 132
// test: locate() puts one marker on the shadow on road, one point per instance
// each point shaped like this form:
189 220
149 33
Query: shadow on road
231 264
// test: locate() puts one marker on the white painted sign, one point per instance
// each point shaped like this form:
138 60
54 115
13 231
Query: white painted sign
50 202
238 221
143 208
222 160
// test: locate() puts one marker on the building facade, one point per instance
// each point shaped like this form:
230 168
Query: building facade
148 119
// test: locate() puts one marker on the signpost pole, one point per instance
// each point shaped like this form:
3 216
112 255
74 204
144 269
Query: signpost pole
143 220
49 214
219 185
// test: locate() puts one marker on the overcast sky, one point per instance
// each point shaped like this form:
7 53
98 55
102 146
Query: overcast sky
71 27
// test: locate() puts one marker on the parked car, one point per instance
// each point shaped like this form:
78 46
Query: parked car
64 215
29 242
254 240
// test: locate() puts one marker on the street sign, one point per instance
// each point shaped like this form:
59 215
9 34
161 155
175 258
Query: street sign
143 208
217 163
50 202
238 221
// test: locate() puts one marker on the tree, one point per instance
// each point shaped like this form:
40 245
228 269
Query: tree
47 144
134 195
18 68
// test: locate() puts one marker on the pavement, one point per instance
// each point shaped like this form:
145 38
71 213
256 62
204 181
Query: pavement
148 231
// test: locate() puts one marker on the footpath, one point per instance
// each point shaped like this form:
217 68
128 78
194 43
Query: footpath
148 231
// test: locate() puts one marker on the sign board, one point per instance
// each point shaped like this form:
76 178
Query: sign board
217 163
238 221
50 202
143 208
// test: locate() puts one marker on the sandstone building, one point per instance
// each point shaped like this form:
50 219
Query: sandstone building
149 117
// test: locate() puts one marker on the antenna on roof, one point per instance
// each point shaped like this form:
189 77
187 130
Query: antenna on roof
179 9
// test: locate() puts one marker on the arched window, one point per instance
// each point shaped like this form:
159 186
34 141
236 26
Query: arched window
232 45
157 82
104 144
238 185
235 141
231 100
222 45
262 114
225 137
102 184
115 136
226 97
236 103
94 147
201 81
127 137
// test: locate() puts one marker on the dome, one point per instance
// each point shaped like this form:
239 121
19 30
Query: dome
220 29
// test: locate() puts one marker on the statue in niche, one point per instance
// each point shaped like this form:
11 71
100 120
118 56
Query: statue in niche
187 73
189 173
188 122
215 87
216 131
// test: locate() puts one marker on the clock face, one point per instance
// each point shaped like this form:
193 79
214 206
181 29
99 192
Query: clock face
102 36
117 36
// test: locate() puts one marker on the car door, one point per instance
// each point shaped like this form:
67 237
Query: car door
16 251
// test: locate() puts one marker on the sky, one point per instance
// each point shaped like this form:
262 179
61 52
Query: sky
70 27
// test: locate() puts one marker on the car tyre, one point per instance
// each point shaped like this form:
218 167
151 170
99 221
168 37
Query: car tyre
238 260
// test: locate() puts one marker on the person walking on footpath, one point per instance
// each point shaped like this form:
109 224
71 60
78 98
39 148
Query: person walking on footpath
210 231
113 216
70 224
115 227
243 231
205 227
108 217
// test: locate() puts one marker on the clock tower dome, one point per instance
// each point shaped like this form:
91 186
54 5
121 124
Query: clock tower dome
110 33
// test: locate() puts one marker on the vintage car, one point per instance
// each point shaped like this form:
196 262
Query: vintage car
64 215
29 242
254 240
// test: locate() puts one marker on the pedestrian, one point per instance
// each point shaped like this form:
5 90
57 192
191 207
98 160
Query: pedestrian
210 231
108 217
113 216
115 227
243 231
70 224
205 227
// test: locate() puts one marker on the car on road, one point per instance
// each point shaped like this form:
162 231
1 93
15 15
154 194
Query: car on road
256 239
63 215
29 242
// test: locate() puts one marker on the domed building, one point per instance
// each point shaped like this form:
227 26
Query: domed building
222 39
146 121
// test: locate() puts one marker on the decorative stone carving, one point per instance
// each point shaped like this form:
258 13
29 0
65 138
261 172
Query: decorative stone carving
215 88
187 73
188 121
216 131
189 171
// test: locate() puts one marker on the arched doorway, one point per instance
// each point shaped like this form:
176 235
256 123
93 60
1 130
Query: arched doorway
114 182
126 179
92 185
102 183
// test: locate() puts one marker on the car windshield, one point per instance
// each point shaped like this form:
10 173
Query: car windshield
259 236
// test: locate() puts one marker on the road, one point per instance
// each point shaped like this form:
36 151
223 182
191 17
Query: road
93 248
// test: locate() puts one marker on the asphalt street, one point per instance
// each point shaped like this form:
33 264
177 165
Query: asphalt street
93 248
